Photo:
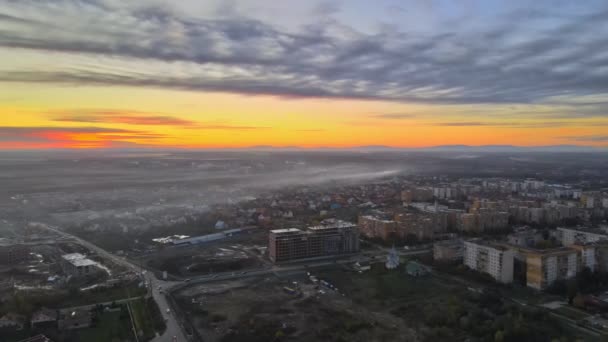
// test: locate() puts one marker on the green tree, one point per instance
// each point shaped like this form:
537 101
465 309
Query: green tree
499 336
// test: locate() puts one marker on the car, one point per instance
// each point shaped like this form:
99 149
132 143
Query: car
168 311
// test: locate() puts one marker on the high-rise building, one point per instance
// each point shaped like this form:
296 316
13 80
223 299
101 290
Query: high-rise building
571 236
417 194
375 227
331 238
448 251
544 267
493 259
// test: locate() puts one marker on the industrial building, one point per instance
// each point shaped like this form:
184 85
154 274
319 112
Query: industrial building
493 259
331 238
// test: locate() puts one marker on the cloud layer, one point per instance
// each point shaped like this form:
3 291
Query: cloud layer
540 58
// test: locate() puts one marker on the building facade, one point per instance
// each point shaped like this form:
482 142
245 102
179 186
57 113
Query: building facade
77 265
331 238
492 259
448 251
12 253
544 267
570 236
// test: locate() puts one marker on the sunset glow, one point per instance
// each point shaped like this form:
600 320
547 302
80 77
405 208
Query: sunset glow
243 77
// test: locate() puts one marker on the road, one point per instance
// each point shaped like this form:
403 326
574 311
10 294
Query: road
174 331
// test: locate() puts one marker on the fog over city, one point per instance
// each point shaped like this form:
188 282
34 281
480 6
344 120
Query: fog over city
140 190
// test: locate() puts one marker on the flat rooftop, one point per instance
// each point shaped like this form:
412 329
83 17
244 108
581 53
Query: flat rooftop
597 231
78 260
548 251
285 230
375 218
491 244
332 224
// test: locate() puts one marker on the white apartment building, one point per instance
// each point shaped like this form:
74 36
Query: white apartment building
569 236
494 260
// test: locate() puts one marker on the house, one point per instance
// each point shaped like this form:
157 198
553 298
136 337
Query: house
44 318
74 319
11 322
37 338
415 269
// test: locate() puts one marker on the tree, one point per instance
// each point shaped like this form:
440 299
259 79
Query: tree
579 301
572 288
499 336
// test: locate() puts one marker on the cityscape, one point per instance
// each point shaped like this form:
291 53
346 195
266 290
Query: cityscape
436 248
294 171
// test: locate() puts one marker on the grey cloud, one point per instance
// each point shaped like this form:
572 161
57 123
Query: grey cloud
394 116
4 130
257 58
591 138
546 124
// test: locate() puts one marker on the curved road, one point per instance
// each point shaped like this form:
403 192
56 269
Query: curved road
174 332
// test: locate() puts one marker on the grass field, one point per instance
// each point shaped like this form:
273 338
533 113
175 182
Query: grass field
381 285
111 326
571 313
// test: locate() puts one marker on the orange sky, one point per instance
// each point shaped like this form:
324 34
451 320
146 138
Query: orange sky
207 74
48 116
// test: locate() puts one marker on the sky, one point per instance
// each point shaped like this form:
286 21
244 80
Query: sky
318 73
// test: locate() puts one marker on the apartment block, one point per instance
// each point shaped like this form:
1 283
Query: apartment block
12 253
571 236
448 251
417 194
544 267
375 227
331 238
493 259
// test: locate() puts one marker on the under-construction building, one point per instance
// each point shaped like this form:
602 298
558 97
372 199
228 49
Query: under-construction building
331 238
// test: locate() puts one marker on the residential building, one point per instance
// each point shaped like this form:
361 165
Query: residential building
415 225
375 227
544 267
12 322
587 256
37 338
416 269
12 253
331 238
525 238
417 194
448 251
469 223
74 319
44 318
571 236
490 258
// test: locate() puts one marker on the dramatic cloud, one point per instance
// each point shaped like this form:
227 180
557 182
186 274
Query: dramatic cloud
123 117
394 116
593 138
546 124
157 47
